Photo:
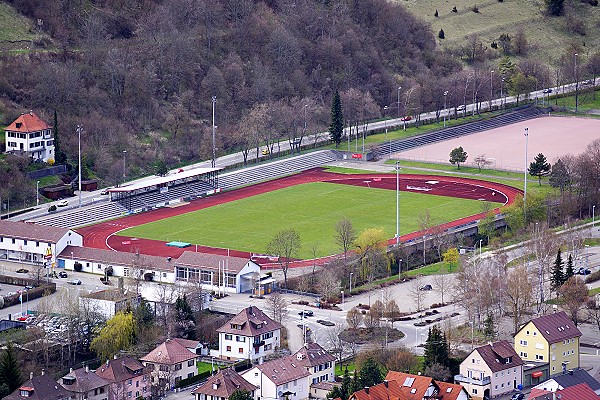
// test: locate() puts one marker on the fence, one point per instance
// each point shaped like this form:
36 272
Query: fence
41 173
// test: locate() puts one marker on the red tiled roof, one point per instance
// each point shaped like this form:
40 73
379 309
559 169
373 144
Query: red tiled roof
283 370
556 327
251 321
29 122
495 355
577 392
120 369
29 231
413 386
449 391
223 384
124 258
187 343
170 352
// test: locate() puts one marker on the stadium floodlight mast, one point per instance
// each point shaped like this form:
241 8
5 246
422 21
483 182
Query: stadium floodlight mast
525 186
79 129
397 203
399 87
214 149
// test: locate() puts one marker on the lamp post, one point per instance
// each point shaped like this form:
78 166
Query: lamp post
342 292
501 93
480 242
525 187
124 154
593 218
445 95
576 86
385 108
214 149
397 203
350 285
491 89
79 129
37 193
399 87
399 269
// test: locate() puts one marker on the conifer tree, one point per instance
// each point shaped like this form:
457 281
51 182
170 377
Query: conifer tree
557 277
436 348
569 272
336 129
370 374
10 371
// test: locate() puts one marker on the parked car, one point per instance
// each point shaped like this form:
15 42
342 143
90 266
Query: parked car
546 91
63 203
462 107
406 118
426 287
588 82
104 192
584 271
22 271
29 287
306 313
517 396
324 322
74 282
266 151
62 274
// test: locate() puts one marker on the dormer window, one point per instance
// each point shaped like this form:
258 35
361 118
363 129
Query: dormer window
19 124
26 392
68 380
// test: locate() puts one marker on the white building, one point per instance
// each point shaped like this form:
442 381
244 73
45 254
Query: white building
251 334
34 244
169 363
321 367
109 302
29 135
284 378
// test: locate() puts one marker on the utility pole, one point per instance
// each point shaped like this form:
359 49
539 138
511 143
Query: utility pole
214 152
576 86
525 187
79 129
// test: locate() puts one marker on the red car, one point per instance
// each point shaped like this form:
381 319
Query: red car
407 118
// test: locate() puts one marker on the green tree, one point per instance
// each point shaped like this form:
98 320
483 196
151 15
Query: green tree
488 327
560 176
436 348
370 248
520 83
442 34
569 272
556 276
539 167
344 390
59 155
184 319
336 129
487 225
370 373
241 394
458 156
160 168
117 334
555 7
451 257
10 371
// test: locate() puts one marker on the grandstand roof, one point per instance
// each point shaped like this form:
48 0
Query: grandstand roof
191 173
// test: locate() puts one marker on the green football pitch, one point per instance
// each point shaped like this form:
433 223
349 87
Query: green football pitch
313 209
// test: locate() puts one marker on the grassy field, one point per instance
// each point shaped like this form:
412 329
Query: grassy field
14 28
312 209
546 36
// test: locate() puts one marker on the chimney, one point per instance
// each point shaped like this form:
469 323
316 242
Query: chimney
70 370
419 373
385 382
87 369
31 112
31 375
115 357
43 372
367 389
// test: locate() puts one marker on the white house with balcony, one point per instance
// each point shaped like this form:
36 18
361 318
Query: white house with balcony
251 334
490 371
283 378
29 135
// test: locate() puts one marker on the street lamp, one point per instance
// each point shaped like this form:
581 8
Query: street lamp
491 88
342 292
593 218
445 95
399 269
576 85
214 152
525 187
37 192
79 129
350 286
501 94
399 87
397 203
480 242
385 108
124 153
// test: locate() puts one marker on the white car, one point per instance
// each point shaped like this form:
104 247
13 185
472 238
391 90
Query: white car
74 282
62 203
462 107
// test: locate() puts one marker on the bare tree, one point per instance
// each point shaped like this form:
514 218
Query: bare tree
481 161
442 284
334 336
373 316
354 318
543 245
392 311
519 294
285 245
328 284
417 295
277 306
345 236
574 293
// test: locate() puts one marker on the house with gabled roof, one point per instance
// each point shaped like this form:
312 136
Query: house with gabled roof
85 385
578 392
283 378
30 136
41 387
222 385
552 338
491 370
170 362
127 377
321 366
403 386
568 379
251 334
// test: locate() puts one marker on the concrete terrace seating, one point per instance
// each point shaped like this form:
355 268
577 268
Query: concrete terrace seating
83 216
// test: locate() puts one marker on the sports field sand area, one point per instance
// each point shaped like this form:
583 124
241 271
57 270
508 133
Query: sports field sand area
505 147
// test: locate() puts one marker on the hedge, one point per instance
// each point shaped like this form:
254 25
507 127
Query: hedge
193 379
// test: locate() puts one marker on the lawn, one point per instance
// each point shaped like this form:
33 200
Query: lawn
14 27
205 367
312 209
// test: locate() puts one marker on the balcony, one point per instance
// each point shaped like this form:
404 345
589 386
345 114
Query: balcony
473 381
258 343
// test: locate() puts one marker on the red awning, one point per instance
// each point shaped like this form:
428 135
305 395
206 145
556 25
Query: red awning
537 374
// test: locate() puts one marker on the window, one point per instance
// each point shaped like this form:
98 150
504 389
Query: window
240 339
37 244
241 350
496 387
267 335
539 357
190 363
128 395
228 337
527 333
472 361
129 382
474 391
137 383
523 342
534 333
190 374
228 348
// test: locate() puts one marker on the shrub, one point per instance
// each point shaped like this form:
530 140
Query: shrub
441 34
475 9
52 208
78 267
436 13
454 9
191 380
109 271
593 2
593 277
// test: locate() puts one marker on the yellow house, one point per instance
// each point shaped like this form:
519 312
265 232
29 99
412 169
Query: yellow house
552 339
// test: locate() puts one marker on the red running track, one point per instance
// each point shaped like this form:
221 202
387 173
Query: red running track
105 235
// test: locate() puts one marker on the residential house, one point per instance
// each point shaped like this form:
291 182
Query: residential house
251 334
568 379
552 339
578 392
169 363
34 244
403 386
283 378
30 136
109 302
491 370
221 386
321 367
127 378
41 387
85 385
